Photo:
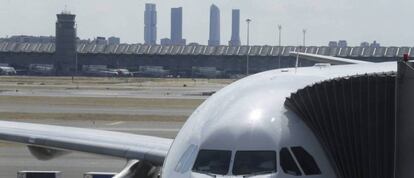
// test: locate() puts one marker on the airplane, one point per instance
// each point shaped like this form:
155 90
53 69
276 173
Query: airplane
255 127
6 70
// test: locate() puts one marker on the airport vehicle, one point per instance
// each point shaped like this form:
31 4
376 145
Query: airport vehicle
39 174
208 72
123 72
41 69
151 71
99 175
256 127
99 70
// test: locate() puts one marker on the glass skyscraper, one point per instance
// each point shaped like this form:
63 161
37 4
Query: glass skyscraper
150 22
177 26
214 39
235 28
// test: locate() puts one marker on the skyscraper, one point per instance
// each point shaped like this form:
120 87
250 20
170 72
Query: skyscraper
150 22
177 26
65 52
214 39
235 28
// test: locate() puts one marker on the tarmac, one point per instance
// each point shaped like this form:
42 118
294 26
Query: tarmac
15 157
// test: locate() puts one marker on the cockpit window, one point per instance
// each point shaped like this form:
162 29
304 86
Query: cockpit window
184 164
288 164
254 162
306 161
212 162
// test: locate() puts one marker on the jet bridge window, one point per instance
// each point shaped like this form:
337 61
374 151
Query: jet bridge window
212 162
288 164
306 161
254 162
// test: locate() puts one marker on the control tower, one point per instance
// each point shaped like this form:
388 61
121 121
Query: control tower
65 53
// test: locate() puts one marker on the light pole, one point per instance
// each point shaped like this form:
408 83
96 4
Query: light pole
76 49
300 48
280 42
304 37
248 43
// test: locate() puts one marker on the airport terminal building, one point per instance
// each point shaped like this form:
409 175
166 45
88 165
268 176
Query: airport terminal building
181 59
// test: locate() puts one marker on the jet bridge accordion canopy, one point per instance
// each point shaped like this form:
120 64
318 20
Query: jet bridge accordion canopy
353 118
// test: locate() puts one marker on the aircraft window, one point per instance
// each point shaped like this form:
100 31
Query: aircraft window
254 162
288 164
212 162
306 161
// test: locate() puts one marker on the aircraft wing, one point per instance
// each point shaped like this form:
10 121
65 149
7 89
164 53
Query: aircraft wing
123 145
327 59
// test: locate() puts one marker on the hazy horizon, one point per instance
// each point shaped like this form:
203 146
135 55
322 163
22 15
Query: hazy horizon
325 20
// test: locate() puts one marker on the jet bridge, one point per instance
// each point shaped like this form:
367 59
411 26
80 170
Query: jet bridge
354 119
365 123
404 120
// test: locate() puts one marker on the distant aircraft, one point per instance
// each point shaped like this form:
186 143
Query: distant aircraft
7 70
251 128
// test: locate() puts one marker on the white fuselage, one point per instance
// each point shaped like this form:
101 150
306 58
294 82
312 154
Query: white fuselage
249 115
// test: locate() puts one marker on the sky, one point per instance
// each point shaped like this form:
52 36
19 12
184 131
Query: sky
387 21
